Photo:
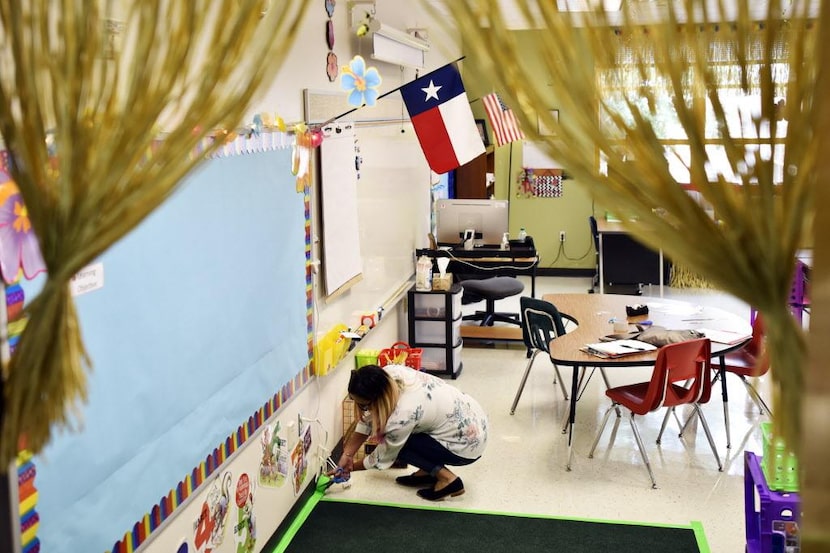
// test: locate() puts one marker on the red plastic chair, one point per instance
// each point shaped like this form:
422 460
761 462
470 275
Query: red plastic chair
681 376
749 361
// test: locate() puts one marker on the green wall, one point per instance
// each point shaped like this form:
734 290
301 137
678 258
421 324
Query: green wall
543 218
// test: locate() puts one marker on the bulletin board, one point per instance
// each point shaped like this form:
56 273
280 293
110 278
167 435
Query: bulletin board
201 320
321 105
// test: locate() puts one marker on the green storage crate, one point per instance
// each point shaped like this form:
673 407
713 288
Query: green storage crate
363 357
779 463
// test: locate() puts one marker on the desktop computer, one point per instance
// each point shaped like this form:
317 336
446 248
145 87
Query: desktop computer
457 219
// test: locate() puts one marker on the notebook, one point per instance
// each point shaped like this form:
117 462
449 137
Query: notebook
618 348
725 336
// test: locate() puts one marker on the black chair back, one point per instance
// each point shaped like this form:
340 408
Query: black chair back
541 323
594 232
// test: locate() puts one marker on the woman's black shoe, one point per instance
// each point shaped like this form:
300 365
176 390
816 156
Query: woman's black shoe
416 480
454 488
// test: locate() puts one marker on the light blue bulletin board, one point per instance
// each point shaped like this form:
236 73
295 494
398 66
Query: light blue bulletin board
201 320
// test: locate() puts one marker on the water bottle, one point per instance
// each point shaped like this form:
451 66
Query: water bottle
522 234
505 241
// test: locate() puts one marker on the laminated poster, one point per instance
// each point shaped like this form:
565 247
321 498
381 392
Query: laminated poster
273 466
299 459
209 527
245 529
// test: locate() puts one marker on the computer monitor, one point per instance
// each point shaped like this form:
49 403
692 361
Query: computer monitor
488 218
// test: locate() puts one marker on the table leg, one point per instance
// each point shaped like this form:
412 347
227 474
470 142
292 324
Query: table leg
725 395
661 272
572 415
533 282
601 268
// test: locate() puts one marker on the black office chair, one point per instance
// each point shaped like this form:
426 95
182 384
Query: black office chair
592 221
541 323
489 290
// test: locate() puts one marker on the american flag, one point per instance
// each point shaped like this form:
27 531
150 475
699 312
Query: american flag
504 123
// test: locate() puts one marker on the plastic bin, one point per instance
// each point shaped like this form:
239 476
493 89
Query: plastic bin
435 332
435 359
363 357
434 305
770 515
401 353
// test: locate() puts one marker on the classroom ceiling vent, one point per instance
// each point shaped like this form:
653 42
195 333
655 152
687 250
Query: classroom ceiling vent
389 44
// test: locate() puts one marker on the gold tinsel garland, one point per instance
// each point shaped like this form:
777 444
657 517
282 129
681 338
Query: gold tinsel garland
84 97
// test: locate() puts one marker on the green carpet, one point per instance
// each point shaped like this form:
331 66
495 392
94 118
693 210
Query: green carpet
338 525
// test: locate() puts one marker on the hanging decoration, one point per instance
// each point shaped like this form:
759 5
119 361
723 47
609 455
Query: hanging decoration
332 68
331 57
361 82
301 154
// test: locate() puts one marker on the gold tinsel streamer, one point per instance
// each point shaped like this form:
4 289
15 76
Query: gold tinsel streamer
749 248
83 97
683 277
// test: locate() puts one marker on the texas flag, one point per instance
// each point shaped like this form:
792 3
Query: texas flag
443 120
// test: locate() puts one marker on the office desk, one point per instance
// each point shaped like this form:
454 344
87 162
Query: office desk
492 261
593 313
623 260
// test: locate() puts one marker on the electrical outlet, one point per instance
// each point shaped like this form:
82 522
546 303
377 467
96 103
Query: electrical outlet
561 235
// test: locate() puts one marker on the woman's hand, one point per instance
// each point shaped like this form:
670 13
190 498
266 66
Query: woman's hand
346 463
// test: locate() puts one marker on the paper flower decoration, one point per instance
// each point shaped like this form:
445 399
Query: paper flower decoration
362 82
18 244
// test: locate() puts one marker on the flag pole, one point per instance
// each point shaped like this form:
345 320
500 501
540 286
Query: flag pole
385 94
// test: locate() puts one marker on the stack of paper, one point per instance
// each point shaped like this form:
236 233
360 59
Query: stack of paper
618 348
725 336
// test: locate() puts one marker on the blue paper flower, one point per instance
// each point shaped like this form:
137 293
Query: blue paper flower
362 82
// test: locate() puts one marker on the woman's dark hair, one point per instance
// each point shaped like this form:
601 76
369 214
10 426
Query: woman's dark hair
369 382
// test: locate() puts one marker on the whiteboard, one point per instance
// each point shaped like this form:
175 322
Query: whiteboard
342 263
393 203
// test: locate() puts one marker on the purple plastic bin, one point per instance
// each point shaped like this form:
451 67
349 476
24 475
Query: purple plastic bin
768 512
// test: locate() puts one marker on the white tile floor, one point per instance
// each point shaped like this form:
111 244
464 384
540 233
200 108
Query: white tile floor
523 470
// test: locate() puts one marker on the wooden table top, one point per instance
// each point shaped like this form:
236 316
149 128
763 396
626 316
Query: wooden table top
593 313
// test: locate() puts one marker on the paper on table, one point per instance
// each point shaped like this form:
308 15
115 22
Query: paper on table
727 337
617 348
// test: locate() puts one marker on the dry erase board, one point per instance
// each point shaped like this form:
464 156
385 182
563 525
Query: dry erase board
342 264
393 216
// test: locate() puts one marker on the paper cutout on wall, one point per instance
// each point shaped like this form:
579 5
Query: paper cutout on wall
273 466
209 528
19 247
361 82
245 528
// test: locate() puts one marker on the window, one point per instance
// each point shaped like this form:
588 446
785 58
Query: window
632 85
